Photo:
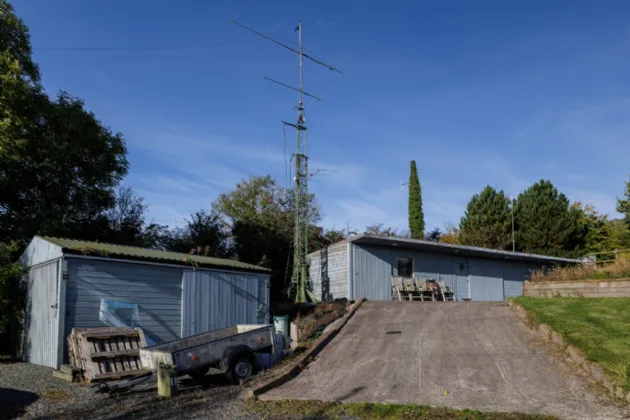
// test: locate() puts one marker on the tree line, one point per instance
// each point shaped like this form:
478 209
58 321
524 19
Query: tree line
544 221
541 220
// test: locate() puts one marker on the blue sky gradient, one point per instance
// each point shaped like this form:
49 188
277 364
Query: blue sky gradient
488 92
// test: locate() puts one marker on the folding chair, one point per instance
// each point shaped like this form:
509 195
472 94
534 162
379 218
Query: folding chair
396 288
445 291
412 289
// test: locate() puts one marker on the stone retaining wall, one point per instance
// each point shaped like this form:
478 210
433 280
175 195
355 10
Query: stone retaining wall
584 288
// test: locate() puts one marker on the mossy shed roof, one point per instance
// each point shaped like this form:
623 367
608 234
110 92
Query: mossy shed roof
106 250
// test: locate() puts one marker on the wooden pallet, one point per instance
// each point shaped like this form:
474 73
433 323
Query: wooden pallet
106 353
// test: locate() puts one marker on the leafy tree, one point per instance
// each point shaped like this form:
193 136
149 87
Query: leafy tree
620 232
12 298
416 215
320 237
487 220
623 205
450 235
546 223
59 165
600 236
203 234
378 229
261 216
434 235
15 43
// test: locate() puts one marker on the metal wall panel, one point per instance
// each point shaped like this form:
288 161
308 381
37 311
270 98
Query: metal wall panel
486 280
155 289
215 299
41 339
514 275
481 279
328 272
372 273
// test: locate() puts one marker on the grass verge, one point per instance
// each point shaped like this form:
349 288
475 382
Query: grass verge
597 326
292 409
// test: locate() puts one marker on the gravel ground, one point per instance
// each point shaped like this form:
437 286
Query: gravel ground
30 391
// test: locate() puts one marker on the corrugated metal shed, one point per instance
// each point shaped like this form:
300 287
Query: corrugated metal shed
472 272
77 283
143 254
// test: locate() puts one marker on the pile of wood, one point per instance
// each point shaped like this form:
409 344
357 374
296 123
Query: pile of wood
102 354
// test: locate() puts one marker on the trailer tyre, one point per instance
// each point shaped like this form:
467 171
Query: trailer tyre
241 367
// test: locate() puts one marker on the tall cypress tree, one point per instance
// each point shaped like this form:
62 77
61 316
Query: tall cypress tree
487 221
416 215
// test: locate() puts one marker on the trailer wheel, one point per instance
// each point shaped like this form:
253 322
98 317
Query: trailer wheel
241 367
198 374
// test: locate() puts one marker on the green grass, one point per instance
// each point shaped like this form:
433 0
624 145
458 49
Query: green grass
291 409
600 327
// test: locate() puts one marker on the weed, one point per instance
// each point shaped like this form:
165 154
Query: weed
56 395
604 270
291 409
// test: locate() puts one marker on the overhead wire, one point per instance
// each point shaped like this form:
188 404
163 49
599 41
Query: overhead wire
144 48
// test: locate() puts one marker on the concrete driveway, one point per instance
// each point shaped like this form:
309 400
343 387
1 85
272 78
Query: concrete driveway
460 355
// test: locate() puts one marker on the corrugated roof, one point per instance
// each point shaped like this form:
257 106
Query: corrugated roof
431 246
101 249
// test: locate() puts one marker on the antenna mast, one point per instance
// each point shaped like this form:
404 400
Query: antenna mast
300 240
299 280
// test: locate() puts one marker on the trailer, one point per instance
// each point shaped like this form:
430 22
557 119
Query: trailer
234 351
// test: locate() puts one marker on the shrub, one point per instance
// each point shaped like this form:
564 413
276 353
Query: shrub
12 298
618 268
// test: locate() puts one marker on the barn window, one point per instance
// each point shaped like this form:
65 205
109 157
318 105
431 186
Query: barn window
405 267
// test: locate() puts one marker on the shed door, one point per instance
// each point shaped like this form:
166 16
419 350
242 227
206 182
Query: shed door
41 346
462 281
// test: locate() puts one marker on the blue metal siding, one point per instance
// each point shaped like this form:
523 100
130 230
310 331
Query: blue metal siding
486 280
481 279
372 273
155 289
514 275
217 299
431 266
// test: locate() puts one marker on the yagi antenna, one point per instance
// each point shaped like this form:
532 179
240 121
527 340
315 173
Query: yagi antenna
292 88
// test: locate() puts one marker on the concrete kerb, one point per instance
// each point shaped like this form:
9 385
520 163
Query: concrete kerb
592 370
294 368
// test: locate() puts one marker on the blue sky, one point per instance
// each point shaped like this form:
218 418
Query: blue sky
485 92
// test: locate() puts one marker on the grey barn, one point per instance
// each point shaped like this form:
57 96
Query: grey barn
78 284
363 266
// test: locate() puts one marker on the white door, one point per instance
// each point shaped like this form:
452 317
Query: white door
41 345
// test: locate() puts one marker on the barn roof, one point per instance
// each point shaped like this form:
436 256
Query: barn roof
430 246
106 250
